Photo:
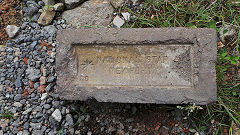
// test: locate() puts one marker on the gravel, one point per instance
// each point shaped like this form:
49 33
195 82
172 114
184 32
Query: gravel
57 115
33 74
12 30
118 22
27 67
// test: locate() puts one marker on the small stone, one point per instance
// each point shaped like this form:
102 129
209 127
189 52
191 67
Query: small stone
192 130
44 72
30 84
27 111
41 88
1 63
4 123
18 97
47 106
118 22
69 120
26 125
20 133
51 29
134 110
12 30
31 10
37 132
43 80
49 2
89 133
227 33
77 132
58 7
57 115
18 82
36 125
41 3
71 131
196 133
17 104
202 133
51 133
126 16
135 2
33 74
1 87
48 88
46 17
25 132
87 118
236 2
117 3
44 96
36 85
33 45
70 4
55 104
35 17
51 79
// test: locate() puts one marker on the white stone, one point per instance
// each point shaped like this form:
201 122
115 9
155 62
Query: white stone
20 133
118 22
12 30
17 104
196 133
58 7
27 111
89 133
44 96
126 16
134 2
57 115
15 59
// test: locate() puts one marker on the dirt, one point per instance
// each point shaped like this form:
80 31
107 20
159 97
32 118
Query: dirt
134 119
10 14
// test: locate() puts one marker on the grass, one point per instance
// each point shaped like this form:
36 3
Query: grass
203 14
6 115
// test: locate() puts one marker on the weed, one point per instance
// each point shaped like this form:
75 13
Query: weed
203 14
61 132
6 115
81 113
47 7
190 108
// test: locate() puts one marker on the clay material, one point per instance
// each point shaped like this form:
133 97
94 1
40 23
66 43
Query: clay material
154 65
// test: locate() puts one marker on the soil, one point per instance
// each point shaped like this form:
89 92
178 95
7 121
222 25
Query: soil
10 14
135 119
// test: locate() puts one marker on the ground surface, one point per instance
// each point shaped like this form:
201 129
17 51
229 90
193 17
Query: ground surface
9 14
30 104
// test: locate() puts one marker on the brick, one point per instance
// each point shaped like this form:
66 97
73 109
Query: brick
153 65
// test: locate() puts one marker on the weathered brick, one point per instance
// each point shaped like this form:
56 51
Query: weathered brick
154 65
